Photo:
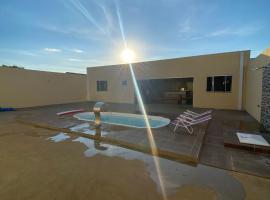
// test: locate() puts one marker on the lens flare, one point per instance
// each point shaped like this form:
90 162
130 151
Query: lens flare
149 132
79 6
128 57
142 108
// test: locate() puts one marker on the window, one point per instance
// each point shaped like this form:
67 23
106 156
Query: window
102 86
219 84
124 83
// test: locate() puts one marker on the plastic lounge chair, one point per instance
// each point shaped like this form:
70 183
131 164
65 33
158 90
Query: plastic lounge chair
187 123
195 115
190 118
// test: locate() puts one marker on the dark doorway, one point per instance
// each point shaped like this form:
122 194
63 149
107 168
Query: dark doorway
167 91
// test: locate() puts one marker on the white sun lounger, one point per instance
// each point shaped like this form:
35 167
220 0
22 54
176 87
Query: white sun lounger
195 115
187 123
190 118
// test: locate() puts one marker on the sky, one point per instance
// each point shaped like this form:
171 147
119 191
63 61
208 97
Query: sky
70 35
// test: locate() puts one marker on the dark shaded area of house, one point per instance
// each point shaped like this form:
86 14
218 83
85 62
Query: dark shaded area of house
169 91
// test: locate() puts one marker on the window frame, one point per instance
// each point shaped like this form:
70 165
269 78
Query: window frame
213 84
100 87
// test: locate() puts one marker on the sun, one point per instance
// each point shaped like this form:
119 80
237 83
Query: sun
128 55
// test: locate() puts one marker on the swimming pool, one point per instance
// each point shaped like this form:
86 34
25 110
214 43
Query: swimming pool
125 119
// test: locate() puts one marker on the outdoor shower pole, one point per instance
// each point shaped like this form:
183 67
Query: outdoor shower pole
97 109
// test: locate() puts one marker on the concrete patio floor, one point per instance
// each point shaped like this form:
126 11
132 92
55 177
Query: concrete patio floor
214 152
225 123
206 146
34 164
178 146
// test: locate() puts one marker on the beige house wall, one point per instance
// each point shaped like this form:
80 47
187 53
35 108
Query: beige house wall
197 67
254 84
117 93
26 88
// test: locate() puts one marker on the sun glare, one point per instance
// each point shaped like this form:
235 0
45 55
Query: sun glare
128 55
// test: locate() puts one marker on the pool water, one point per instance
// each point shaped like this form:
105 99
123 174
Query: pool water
125 119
